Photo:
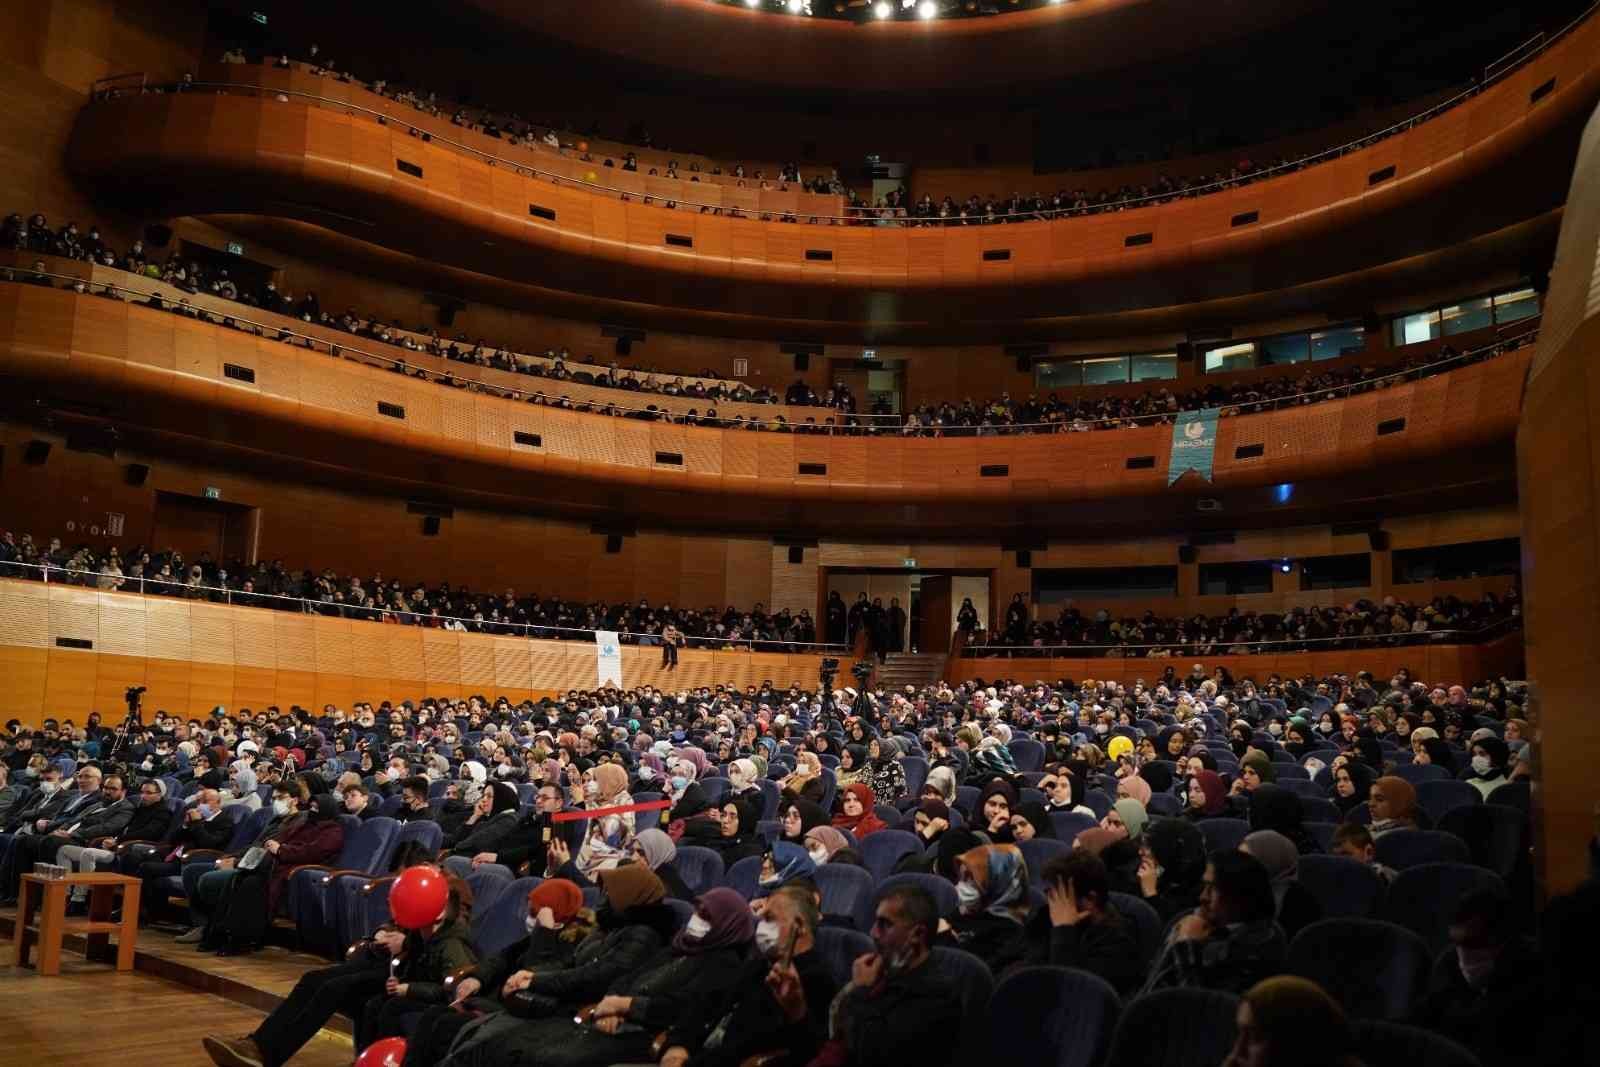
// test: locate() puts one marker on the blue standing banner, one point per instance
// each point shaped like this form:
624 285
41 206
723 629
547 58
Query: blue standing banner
1194 443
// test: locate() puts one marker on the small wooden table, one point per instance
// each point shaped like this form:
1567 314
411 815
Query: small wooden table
48 897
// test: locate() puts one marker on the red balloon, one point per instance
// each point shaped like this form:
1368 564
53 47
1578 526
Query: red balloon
386 1052
418 897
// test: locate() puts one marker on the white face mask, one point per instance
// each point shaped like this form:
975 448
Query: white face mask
531 924
1476 965
818 854
280 807
591 789
1481 765
968 894
767 935
696 928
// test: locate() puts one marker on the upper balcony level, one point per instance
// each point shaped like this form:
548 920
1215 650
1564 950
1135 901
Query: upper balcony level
288 144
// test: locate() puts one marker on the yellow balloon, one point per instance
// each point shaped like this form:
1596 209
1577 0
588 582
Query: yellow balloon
591 176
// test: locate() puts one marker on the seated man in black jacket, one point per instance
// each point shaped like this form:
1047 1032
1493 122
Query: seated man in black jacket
896 1009
205 825
1080 928
762 1012
524 843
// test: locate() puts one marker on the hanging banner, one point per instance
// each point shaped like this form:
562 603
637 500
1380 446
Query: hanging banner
1194 442
608 658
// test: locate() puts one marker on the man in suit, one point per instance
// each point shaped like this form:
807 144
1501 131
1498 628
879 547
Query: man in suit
73 809
205 825
147 819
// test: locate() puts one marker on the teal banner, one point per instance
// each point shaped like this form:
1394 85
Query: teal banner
1194 442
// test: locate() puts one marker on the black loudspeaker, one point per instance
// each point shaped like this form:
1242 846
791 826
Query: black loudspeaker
430 526
802 361
1185 351
157 235
613 543
1024 557
624 346
36 452
797 554
136 473
1378 540
1185 553
1024 364
447 315
1372 324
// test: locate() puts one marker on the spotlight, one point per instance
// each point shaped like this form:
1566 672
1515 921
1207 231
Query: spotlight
883 10
795 6
927 9
1286 566
752 3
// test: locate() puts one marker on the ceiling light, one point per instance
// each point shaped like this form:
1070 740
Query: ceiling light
795 6
752 3
883 10
927 9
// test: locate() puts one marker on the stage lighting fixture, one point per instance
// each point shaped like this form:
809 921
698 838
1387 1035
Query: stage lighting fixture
927 9
795 6
752 3
1286 566
883 10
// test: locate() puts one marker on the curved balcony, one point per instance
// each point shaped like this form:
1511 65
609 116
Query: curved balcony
311 149
319 401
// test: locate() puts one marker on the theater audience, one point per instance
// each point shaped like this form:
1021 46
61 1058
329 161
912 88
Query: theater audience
1232 940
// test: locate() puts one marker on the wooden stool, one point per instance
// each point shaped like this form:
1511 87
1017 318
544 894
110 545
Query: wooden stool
48 897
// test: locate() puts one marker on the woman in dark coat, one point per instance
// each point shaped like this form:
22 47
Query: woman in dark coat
704 959
368 986
1272 807
494 830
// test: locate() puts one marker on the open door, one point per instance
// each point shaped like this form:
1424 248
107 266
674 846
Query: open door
937 609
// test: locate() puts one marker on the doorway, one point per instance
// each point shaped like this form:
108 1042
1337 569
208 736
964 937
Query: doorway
199 526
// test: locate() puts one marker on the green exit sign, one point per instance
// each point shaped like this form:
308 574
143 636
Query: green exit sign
909 562
235 248
213 493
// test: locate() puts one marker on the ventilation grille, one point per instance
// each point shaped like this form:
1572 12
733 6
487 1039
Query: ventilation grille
678 240
73 642
405 167
813 468
523 437
1389 426
1133 240
995 470
238 373
393 411
1141 463
1542 90
819 255
670 459
1245 218
996 255
1379 176
1249 451
539 212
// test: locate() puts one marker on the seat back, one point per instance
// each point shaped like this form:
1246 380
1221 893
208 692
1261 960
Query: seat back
646 820
1379 1042
247 825
1303 787
1405 848
1164 804
1097 801
940 889
1069 824
891 816
1223 835
1438 797
682 910
1322 833
1417 773
1344 887
974 985
1513 795
1146 923
1377 970
967 798
846 892
840 948
744 876
1038 852
1175 1028
716 789
700 868
882 850
368 846
1423 898
1495 834
916 769
487 883
390 807
770 795
426 834
504 921
1054 1016
1026 754
1319 809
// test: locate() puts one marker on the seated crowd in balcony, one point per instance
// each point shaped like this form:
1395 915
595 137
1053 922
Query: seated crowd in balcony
1153 843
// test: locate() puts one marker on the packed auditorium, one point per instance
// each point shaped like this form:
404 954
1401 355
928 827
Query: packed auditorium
799 533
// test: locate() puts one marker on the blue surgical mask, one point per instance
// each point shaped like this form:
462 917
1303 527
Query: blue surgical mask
679 783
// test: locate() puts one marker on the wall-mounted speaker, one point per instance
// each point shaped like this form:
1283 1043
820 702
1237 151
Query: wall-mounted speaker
797 554
157 235
1378 540
1186 554
430 526
624 346
35 452
1024 557
613 543
136 473
802 361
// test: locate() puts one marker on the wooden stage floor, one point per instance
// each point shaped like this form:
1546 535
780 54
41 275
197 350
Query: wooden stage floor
155 1015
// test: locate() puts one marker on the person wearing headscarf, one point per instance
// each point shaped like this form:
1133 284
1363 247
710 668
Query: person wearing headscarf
696 758
1351 784
1288 1021
1029 822
1434 750
852 766
609 836
495 830
856 814
1172 861
991 761
1296 908
993 813
1208 797
742 777
1079 927
1063 791
1393 803
736 831
242 786
885 774
657 851
1272 807
1158 775
415 963
1490 756
704 960
822 842
941 781
1255 770
796 818
1135 787
556 923
805 783
929 820
1126 817
992 887
783 864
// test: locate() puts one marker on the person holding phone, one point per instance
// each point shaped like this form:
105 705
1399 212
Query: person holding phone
779 1002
